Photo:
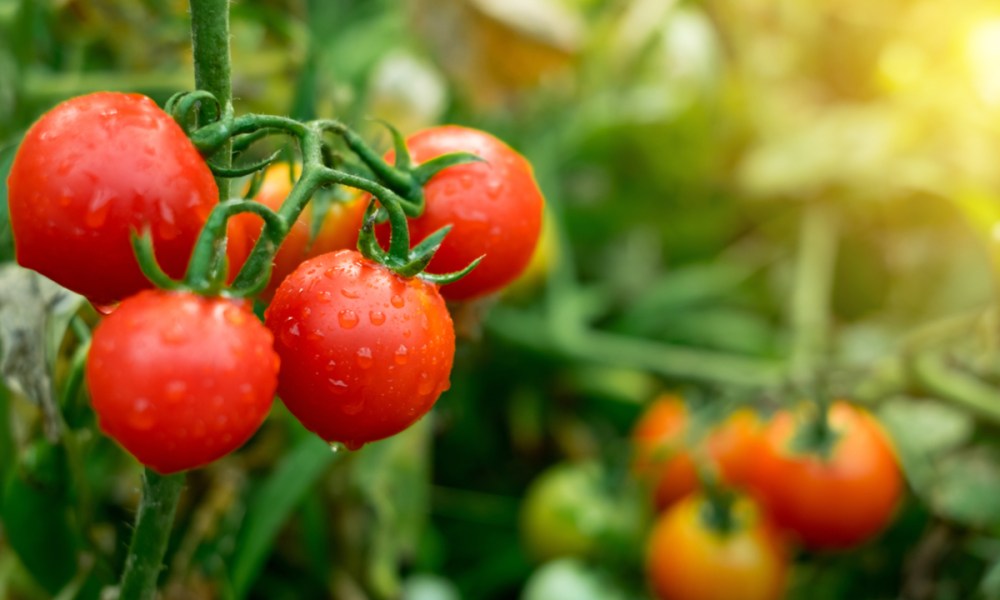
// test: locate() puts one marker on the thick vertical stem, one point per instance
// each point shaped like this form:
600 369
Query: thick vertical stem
152 532
814 267
210 42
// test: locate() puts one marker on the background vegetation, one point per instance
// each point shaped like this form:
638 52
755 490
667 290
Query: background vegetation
748 202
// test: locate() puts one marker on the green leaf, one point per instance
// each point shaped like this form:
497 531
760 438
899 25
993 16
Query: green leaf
923 430
37 517
271 506
6 234
966 489
34 315
393 477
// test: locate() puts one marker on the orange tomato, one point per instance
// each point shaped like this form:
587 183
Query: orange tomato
835 502
663 457
689 559
339 229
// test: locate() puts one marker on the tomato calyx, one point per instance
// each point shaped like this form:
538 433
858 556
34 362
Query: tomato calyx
816 436
397 192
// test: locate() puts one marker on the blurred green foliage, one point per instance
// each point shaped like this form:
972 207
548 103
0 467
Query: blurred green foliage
682 147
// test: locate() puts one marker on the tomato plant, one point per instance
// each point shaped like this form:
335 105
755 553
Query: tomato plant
339 229
688 557
180 380
494 206
835 501
663 450
87 174
365 352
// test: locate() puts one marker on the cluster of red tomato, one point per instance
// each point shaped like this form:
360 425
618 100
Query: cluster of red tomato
825 498
356 351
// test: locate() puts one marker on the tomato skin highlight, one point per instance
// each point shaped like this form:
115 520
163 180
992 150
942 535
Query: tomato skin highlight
91 170
687 560
495 208
365 353
339 230
180 380
836 503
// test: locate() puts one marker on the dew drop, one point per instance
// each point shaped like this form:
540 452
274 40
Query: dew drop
365 359
493 188
330 366
426 386
141 418
235 316
353 444
97 210
173 334
347 318
336 447
337 386
104 309
397 301
402 355
176 390
354 406
350 293
377 317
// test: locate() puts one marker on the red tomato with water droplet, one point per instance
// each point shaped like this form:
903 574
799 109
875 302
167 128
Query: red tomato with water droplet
495 208
365 353
91 170
180 380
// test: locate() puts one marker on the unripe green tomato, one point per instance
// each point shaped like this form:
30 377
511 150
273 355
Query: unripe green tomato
565 512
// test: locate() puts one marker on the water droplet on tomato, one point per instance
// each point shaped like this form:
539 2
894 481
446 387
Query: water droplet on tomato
141 417
350 293
365 359
466 180
354 405
104 309
377 317
167 227
314 334
175 390
397 301
97 210
402 355
493 188
444 387
330 366
337 386
234 315
347 318
353 444
425 386
174 333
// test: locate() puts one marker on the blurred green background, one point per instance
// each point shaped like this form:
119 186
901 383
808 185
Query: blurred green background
747 202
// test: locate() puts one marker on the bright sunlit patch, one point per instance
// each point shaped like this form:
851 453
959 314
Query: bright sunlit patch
983 53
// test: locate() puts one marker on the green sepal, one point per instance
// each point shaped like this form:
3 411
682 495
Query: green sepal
446 278
403 160
142 245
429 169
421 254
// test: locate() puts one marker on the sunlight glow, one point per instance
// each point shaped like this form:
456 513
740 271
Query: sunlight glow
983 53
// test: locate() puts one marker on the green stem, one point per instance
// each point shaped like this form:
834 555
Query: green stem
210 42
817 255
152 532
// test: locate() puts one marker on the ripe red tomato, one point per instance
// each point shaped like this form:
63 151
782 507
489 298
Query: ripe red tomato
92 169
834 503
663 454
181 380
687 559
494 206
365 352
339 229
